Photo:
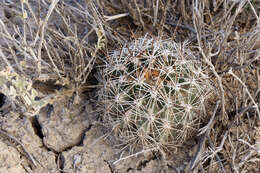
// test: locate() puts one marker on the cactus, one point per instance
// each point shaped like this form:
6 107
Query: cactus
153 93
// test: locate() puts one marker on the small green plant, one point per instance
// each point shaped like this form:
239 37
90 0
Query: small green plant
154 93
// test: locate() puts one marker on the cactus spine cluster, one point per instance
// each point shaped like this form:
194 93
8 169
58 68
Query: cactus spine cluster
154 92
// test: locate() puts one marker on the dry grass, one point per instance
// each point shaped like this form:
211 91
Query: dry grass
61 43
50 43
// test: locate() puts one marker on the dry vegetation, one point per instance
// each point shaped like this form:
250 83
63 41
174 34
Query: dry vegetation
56 50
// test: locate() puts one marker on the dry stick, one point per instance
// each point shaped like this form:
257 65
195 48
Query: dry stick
42 29
15 42
183 10
114 17
238 67
187 27
213 70
11 50
219 79
155 13
139 14
24 16
6 61
254 147
9 37
136 154
164 15
51 59
240 112
253 9
31 11
203 133
229 23
243 84
214 149
17 141
234 154
217 150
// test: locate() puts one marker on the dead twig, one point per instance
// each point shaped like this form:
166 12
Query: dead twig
139 14
203 133
114 17
155 12
42 30
187 27
135 154
197 17
216 153
244 85
18 142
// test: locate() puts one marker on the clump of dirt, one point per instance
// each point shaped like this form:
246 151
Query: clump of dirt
63 127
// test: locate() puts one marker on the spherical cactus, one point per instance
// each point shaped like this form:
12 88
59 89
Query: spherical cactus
153 93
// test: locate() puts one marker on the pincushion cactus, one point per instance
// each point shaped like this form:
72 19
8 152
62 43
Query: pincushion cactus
153 93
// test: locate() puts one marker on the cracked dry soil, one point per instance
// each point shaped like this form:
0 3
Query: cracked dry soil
63 140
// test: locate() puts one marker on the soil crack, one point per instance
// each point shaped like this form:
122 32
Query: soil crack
37 127
109 165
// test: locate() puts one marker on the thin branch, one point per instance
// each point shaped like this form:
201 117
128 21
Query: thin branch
135 155
114 17
253 9
203 133
218 150
155 13
139 14
18 142
187 27
197 15
243 84
42 29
